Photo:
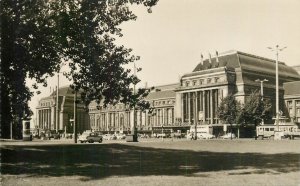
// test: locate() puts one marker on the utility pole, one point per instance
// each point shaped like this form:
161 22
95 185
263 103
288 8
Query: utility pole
57 111
277 49
11 131
75 122
262 91
134 130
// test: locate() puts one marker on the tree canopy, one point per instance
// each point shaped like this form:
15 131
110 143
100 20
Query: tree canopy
38 35
255 110
229 109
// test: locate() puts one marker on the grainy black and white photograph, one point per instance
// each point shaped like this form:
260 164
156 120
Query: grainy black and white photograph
150 92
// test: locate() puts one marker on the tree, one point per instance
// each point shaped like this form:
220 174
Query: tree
38 35
255 110
229 110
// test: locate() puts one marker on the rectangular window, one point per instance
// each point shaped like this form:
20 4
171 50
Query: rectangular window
298 102
298 111
290 111
216 79
289 103
194 83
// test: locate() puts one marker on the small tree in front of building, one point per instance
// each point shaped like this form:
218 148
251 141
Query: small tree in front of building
255 110
229 111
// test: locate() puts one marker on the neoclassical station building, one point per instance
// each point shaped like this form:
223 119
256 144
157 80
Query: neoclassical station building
47 114
180 105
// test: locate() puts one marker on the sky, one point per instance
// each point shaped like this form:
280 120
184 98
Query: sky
171 39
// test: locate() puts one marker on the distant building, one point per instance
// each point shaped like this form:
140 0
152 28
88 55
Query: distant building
46 112
119 118
194 99
292 100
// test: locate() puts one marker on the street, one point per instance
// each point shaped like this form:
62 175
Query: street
151 162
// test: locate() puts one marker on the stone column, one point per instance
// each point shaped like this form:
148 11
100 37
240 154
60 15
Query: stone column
204 106
182 105
178 108
196 107
189 105
53 116
211 107
37 119
49 118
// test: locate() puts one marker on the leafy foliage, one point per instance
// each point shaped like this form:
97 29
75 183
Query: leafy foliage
229 109
38 35
255 110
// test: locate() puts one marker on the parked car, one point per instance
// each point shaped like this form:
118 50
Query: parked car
48 134
109 137
69 135
94 137
177 135
163 135
121 136
83 136
56 135
228 136
205 136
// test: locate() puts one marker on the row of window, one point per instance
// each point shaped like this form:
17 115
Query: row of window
45 104
109 107
165 102
116 120
203 81
290 103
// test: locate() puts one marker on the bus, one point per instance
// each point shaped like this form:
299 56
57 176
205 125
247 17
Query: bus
286 131
201 130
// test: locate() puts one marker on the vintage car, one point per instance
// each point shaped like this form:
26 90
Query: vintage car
94 137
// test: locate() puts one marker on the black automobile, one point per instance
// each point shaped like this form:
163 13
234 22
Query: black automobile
56 135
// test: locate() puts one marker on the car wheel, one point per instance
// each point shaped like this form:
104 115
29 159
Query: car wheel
100 141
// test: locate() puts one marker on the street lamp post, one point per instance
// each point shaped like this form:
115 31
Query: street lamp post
262 91
57 97
75 113
133 136
57 111
277 49
262 86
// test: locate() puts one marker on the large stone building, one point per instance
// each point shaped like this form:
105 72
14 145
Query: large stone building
47 113
118 118
292 101
194 99
230 73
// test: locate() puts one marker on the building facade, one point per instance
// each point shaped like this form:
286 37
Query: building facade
119 118
292 101
179 106
47 113
231 73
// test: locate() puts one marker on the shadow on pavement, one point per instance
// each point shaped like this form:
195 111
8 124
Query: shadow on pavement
100 161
